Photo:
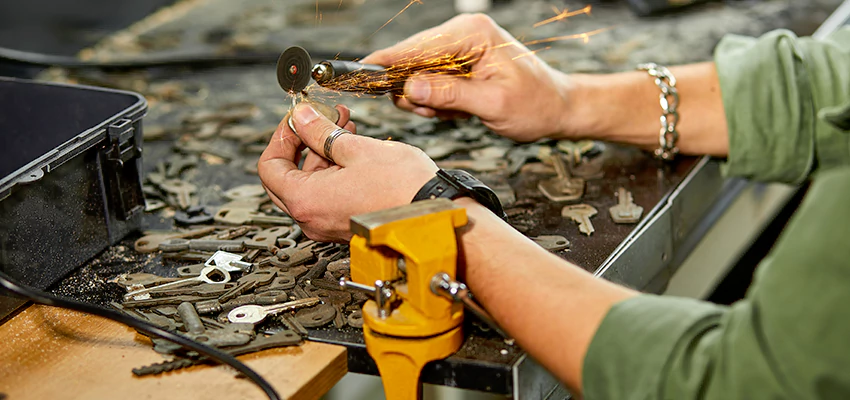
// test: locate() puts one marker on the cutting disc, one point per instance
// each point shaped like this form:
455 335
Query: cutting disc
293 69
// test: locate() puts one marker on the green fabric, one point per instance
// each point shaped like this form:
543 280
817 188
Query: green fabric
787 103
776 90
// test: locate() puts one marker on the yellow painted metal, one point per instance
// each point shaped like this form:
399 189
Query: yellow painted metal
422 325
400 360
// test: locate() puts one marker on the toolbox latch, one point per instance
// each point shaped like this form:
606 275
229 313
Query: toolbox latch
123 173
123 147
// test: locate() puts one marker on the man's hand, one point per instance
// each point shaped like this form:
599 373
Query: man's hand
369 174
514 92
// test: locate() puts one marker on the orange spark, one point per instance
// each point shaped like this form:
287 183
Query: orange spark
412 2
562 15
583 36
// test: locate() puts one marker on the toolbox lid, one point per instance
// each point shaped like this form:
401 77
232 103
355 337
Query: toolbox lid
44 124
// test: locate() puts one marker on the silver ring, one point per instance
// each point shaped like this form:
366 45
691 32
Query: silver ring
329 142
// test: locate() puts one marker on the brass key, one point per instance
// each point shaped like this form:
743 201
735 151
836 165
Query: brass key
626 211
563 187
580 213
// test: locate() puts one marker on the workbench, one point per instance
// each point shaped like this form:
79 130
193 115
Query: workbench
681 200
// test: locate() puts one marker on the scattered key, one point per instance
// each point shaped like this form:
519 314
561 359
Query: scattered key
563 187
253 314
181 191
244 216
580 213
626 211
552 243
210 274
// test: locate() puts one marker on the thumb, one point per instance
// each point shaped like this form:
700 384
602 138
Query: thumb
448 92
314 129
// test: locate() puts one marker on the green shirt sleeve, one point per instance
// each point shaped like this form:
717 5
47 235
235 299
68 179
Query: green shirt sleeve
785 98
787 103
789 338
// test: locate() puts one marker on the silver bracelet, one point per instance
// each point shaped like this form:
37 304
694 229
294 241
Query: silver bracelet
669 99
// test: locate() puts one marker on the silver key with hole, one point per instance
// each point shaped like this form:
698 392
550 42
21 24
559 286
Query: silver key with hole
563 187
580 213
552 243
626 211
210 274
181 190
244 216
254 314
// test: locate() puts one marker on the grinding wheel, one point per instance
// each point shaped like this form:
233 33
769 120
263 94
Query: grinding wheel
293 69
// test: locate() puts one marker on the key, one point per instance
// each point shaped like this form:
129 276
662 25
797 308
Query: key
295 256
323 259
234 233
243 216
588 169
152 205
268 237
552 243
228 261
563 187
278 339
580 213
253 314
209 306
283 281
140 279
248 282
244 191
229 336
205 291
162 301
191 320
626 211
317 316
172 245
210 274
519 155
181 191
150 243
178 162
187 256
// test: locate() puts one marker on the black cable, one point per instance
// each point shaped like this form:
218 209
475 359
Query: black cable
187 59
145 327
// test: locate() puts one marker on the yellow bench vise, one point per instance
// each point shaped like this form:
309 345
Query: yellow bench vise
407 253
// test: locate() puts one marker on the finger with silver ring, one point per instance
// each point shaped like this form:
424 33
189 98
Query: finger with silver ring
329 142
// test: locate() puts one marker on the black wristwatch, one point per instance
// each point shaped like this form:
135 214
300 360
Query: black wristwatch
455 183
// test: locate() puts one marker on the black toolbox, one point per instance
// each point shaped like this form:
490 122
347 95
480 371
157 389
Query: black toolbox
70 184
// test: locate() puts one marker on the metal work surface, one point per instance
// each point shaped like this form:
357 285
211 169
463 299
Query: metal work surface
675 197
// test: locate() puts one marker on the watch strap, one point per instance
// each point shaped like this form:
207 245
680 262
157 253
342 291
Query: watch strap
452 184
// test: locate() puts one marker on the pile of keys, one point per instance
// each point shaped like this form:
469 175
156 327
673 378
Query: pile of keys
258 287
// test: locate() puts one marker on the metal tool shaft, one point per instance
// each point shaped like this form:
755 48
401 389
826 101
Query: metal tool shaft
354 76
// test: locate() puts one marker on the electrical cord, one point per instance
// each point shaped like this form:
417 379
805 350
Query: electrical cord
145 327
188 59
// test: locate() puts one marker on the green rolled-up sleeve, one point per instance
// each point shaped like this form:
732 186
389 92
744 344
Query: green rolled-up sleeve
777 91
789 338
